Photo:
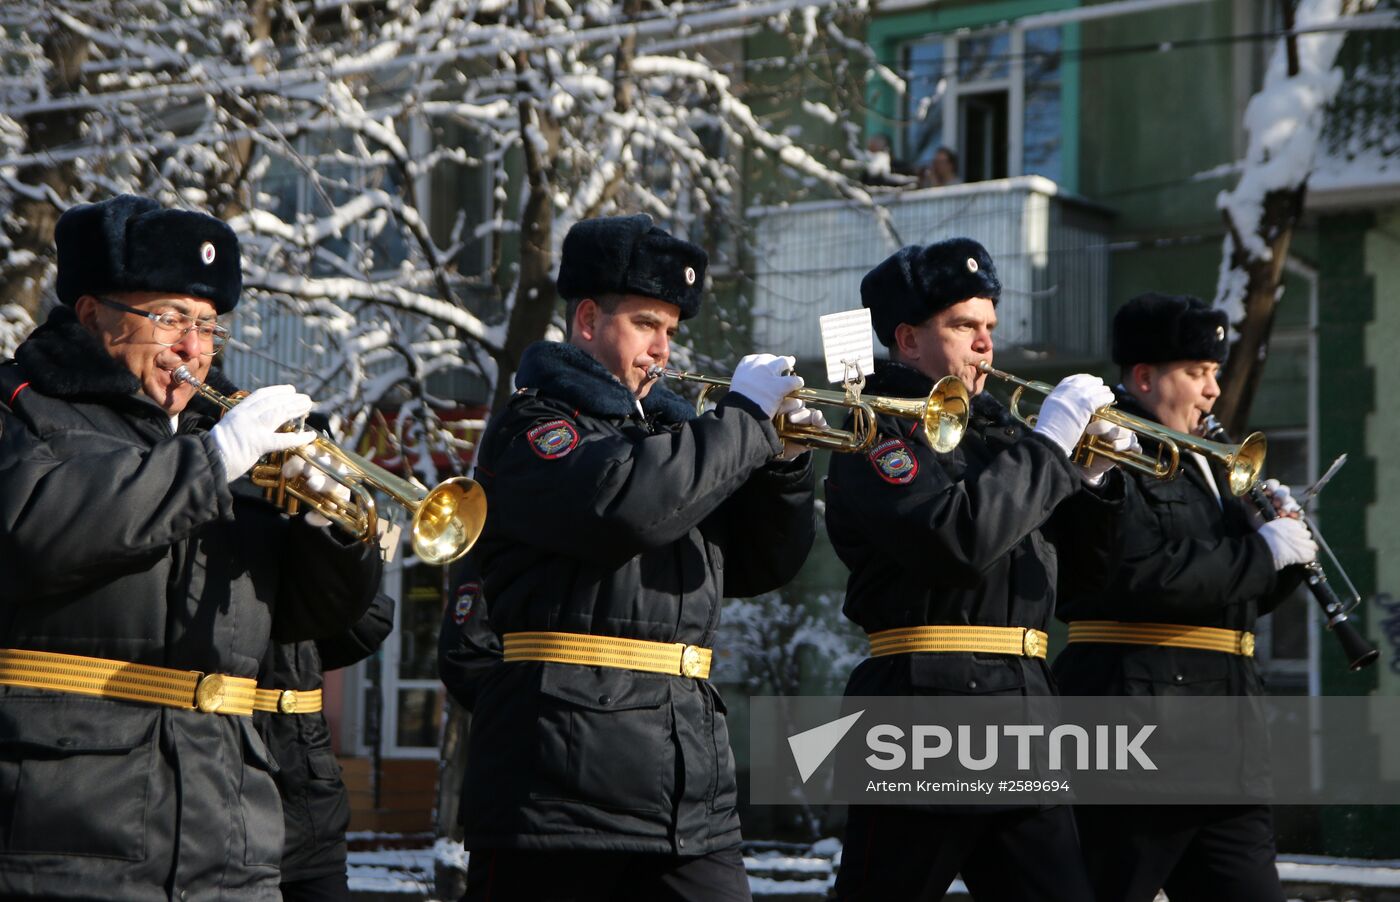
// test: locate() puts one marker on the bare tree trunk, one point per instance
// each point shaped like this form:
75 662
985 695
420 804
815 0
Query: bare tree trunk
1240 380
42 187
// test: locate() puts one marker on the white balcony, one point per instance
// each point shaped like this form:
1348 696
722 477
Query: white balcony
1050 249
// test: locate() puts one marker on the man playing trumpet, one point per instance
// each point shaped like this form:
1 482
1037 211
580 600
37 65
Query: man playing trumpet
139 587
943 547
1174 614
599 763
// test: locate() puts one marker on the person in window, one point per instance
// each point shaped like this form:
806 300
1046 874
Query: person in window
953 572
941 170
1174 614
141 585
598 763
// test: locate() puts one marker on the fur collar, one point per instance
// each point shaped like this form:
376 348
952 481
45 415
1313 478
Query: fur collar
61 359
903 381
566 372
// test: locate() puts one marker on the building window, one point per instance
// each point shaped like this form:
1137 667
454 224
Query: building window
993 97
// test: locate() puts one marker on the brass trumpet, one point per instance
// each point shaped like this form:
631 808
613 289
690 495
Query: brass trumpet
1243 462
447 519
943 413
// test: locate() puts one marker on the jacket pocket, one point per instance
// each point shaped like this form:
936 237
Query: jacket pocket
326 797
1176 672
75 775
604 738
966 674
263 828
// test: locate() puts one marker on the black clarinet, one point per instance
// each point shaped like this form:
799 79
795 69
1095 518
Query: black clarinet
1359 652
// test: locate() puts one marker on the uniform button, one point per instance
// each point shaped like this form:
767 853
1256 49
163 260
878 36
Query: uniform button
605 699
1179 678
64 742
972 684
1011 430
680 844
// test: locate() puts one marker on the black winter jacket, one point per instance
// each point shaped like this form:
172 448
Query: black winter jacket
315 804
958 538
120 540
619 522
1184 558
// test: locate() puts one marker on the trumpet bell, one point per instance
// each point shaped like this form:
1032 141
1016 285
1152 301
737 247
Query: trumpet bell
1245 463
448 521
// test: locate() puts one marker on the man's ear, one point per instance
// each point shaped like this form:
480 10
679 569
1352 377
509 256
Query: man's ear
1142 377
586 319
86 310
905 343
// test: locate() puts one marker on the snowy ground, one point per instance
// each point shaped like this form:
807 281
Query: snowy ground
791 873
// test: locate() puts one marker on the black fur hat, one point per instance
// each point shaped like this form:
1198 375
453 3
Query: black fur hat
916 282
129 243
1159 328
629 255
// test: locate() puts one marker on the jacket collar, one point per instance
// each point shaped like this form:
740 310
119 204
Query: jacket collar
900 380
569 373
63 360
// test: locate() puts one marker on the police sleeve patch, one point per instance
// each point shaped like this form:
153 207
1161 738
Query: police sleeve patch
467 594
554 439
894 461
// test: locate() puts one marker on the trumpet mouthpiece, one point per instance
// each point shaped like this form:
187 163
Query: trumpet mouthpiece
656 371
182 374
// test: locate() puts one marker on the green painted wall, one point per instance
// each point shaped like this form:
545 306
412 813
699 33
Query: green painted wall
1152 120
1382 342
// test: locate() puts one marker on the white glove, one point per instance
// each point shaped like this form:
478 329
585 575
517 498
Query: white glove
761 379
804 416
1289 542
316 482
1282 497
1070 407
1121 438
249 430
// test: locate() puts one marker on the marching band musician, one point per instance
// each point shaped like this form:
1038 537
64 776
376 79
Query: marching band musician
599 763
138 598
949 552
1193 565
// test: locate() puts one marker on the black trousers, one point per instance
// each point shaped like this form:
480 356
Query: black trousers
508 875
1196 853
326 888
902 855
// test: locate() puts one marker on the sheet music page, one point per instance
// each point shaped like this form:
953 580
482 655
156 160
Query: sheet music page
847 343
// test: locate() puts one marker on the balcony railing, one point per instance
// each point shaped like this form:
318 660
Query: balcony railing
1051 253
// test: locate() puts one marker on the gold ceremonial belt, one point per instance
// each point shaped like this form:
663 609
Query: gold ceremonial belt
212 693
1207 638
997 640
288 701
674 658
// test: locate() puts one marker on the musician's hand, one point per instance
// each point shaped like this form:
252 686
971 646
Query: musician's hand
1119 437
315 481
1068 409
763 379
249 430
803 416
1289 542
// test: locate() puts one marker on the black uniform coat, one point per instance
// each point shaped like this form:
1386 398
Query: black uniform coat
957 538
619 522
120 540
315 804
1184 558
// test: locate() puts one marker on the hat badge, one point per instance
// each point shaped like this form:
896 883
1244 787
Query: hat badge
1219 333
971 265
690 275
206 252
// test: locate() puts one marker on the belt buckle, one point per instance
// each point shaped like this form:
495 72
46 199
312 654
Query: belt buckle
690 661
1246 644
287 701
1030 644
209 692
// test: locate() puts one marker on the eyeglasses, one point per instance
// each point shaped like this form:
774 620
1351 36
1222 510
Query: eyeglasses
172 327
